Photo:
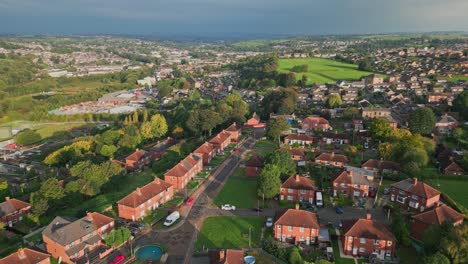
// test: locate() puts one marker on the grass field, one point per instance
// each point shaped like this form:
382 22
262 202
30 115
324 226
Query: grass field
453 188
323 70
458 78
238 191
50 129
229 232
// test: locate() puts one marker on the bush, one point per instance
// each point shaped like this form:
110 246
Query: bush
300 68
28 137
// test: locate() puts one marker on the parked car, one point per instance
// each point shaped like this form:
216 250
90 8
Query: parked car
318 199
228 207
189 201
118 259
122 222
257 209
269 222
339 209
220 153
386 191
366 145
133 231
136 225
172 218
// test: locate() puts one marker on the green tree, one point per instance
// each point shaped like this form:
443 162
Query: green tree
460 104
287 79
455 244
155 128
233 108
351 112
3 188
401 230
434 234
52 189
421 121
284 162
108 151
295 256
276 127
269 182
27 137
39 203
380 129
92 177
203 120
334 100
436 258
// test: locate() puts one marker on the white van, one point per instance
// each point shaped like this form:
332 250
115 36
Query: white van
172 218
318 199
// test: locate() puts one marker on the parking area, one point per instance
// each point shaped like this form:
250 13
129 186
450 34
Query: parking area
329 215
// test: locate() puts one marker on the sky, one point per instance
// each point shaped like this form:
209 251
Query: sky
231 18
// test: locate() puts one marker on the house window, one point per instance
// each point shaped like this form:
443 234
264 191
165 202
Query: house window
356 186
362 240
279 226
303 191
336 184
362 250
402 192
343 185
301 229
289 236
389 243
377 242
400 199
375 251
301 238
290 228
413 204
290 198
350 248
290 190
350 238
279 236
414 196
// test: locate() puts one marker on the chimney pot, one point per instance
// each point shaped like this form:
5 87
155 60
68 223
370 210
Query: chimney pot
297 206
89 215
21 253
138 191
368 216
415 181
297 177
7 198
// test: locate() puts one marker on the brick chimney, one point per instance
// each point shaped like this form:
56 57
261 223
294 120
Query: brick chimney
297 206
138 191
368 216
222 255
89 215
414 181
7 198
21 253
350 173
297 177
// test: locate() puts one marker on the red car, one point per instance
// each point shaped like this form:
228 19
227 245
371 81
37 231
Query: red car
236 149
118 259
189 201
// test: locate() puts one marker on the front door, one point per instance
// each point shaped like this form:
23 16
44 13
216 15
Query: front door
355 251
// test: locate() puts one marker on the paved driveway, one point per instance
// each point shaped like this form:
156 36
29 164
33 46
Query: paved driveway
328 215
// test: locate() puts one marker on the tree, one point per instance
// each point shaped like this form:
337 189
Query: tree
233 108
39 203
351 112
365 65
300 68
433 235
334 100
276 127
460 104
287 79
178 132
295 256
421 121
3 188
269 182
52 189
158 125
304 80
203 120
284 162
108 151
92 177
380 129
27 137
145 115
455 244
401 230
436 258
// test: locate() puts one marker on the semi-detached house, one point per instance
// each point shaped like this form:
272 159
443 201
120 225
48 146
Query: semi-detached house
181 174
13 211
412 194
297 227
298 189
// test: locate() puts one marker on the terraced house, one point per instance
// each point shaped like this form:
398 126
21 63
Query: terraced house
412 194
136 205
297 227
206 152
70 240
181 174
366 237
298 189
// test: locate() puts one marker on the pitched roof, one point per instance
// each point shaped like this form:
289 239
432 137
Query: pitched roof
183 166
351 178
382 165
66 230
438 215
145 193
12 205
233 127
220 137
316 119
367 228
234 256
299 137
446 119
137 155
300 218
333 157
454 167
205 148
294 151
416 187
335 135
299 182
24 256
254 161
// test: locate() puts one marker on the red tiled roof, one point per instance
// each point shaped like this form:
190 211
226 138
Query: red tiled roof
381 165
333 157
254 161
298 218
299 137
233 127
100 220
183 166
367 228
220 138
206 148
419 188
342 178
24 256
299 182
438 215
315 119
12 205
294 151
145 193
234 256
137 155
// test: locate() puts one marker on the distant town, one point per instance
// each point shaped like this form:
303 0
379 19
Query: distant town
320 149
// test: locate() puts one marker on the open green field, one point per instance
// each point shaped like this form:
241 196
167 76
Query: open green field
239 191
323 70
229 232
453 188
458 78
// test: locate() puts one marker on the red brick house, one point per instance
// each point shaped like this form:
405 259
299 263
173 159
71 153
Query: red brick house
228 256
253 166
300 139
297 227
13 211
439 97
221 141
297 154
351 184
435 216
335 138
332 159
452 168
446 124
234 131
147 198
367 237
254 122
315 123
298 189
184 171
26 256
206 152
412 194
138 159
381 166
69 239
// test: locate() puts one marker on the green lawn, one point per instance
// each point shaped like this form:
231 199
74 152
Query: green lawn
229 232
49 130
241 192
458 78
323 70
453 188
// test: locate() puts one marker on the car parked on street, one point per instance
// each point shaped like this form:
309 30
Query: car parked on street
118 259
339 209
136 225
189 201
269 222
228 207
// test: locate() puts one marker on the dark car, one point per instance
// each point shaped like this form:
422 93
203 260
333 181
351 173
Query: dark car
136 225
257 209
122 222
339 209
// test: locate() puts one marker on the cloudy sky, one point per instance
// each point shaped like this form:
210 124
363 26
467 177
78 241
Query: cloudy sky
221 18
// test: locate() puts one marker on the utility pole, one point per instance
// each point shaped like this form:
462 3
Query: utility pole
258 207
249 237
